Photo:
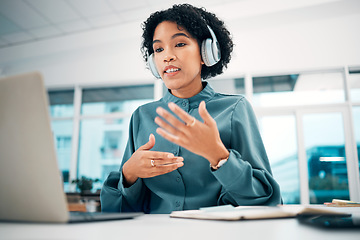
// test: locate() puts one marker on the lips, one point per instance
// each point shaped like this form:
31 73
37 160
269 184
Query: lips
171 69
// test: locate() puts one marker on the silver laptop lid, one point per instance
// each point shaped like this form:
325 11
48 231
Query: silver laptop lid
30 182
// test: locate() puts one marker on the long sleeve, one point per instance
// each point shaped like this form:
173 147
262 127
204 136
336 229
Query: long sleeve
115 197
246 177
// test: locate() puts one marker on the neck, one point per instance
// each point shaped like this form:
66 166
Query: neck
188 92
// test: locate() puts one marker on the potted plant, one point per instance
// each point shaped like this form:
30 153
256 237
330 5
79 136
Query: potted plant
84 184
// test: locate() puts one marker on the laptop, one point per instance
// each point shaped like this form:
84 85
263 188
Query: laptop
30 180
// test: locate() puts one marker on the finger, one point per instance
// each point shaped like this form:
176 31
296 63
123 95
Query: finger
205 115
170 118
160 155
150 144
187 118
165 126
168 136
162 169
165 162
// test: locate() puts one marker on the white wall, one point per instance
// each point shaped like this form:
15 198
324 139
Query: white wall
310 38
287 40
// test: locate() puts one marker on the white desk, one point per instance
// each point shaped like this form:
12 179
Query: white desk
160 227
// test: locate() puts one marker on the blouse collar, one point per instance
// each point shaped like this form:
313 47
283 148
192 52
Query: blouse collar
206 94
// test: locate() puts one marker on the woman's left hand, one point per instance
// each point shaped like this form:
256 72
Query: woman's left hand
201 138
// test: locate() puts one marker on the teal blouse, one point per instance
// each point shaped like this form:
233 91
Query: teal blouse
245 179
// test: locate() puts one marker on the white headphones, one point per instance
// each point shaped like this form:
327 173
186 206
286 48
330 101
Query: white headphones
210 53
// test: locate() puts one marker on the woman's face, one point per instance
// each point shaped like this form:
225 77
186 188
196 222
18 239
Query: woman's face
178 60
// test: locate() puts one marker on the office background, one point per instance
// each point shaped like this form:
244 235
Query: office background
298 62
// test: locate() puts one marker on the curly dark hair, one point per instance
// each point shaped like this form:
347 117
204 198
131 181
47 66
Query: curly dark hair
194 20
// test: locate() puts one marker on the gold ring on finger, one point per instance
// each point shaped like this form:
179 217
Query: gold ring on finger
192 123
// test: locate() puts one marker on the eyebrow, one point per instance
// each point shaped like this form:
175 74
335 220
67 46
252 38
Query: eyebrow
173 36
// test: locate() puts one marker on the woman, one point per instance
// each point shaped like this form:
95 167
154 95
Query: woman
194 147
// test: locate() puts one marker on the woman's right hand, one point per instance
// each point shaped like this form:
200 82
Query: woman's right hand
145 163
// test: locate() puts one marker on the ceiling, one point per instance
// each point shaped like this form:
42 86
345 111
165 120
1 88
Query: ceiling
24 21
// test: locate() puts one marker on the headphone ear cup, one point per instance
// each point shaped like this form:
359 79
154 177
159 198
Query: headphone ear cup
207 53
210 49
152 66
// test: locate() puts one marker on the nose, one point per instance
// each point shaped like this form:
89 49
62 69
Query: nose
169 58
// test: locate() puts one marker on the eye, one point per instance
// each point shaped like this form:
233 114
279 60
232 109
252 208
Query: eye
158 50
180 44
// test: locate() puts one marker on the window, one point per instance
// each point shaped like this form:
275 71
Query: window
115 99
102 144
356 114
101 129
325 151
354 84
104 126
61 103
299 89
62 112
305 145
317 101
279 137
229 86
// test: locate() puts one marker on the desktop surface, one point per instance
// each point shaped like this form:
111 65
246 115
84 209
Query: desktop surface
161 226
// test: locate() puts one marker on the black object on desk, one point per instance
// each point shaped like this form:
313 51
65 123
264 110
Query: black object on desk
331 221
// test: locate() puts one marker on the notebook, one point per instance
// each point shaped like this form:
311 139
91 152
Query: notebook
230 213
30 181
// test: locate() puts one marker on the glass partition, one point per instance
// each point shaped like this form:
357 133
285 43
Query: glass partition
61 103
62 131
115 99
228 86
102 143
325 150
356 114
103 135
299 89
279 136
354 84
62 109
